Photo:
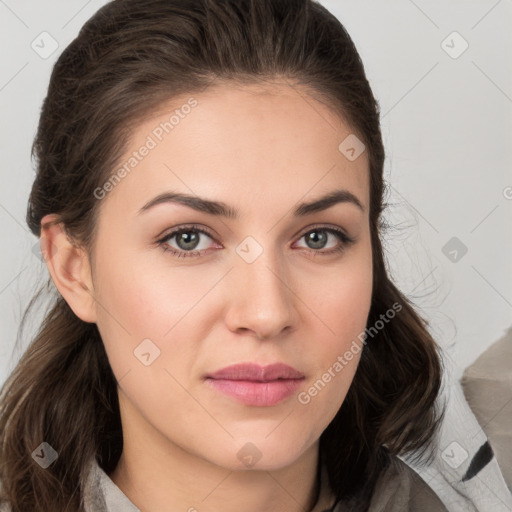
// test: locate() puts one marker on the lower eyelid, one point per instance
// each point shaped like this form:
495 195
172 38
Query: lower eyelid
344 239
164 240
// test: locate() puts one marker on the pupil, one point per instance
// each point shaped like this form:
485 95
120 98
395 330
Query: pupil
314 235
184 236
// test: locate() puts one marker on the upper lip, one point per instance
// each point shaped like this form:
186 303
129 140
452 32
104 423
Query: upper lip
257 373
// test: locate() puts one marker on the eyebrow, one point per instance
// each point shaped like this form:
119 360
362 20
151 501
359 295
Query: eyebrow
222 209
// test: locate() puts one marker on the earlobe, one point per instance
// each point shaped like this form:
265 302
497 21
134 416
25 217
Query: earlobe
69 268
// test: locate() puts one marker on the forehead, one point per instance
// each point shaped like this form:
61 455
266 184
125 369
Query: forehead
243 144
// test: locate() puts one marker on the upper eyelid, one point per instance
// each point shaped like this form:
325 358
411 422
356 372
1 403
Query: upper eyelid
173 231
194 227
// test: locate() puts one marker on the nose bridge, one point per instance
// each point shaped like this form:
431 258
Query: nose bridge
264 297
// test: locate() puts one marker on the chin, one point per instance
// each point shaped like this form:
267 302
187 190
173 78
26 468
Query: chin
260 453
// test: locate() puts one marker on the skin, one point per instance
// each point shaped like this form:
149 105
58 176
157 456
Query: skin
263 151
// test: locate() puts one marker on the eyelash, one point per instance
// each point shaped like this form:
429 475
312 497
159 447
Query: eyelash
345 239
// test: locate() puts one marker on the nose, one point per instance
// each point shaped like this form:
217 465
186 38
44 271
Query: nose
262 300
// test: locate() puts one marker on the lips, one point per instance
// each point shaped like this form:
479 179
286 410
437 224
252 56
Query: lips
255 372
256 385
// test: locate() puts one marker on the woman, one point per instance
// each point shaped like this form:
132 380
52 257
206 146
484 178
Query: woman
224 333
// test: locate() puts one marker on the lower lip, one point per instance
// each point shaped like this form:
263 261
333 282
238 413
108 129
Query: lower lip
262 394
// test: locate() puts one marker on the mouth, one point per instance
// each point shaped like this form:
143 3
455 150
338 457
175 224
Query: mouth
255 385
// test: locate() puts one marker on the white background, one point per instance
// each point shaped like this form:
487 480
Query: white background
447 128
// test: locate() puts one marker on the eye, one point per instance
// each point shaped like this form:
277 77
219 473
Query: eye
317 238
188 240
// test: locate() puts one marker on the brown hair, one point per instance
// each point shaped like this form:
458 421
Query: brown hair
129 58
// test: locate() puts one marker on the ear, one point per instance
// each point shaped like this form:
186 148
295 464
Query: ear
69 268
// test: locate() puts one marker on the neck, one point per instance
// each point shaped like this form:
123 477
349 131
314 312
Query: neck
153 486
157 474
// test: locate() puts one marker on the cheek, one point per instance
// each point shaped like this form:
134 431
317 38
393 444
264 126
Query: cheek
140 302
345 305
341 300
341 307
336 352
148 299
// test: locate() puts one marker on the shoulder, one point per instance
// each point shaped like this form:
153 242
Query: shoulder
487 386
4 507
101 494
400 488
93 495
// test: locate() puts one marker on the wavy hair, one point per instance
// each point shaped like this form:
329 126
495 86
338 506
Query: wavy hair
128 59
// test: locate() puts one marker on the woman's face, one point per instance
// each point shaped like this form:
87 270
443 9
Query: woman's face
264 286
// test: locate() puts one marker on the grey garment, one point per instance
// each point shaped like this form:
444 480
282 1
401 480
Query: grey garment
487 386
472 469
399 489
465 473
101 494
